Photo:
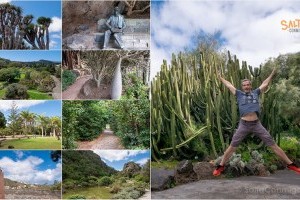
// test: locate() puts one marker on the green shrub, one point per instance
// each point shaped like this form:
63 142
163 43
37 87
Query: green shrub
68 78
16 91
105 181
291 146
128 193
77 196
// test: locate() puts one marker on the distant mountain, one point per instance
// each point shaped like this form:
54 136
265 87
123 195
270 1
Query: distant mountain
78 165
4 61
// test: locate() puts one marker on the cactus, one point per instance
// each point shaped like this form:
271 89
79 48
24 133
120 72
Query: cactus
190 106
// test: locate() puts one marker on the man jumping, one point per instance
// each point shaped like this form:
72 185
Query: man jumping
249 109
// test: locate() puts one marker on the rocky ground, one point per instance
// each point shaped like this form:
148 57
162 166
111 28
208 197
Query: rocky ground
283 184
31 194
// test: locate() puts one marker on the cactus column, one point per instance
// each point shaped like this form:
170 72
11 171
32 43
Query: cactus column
2 195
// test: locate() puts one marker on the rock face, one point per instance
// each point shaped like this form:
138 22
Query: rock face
161 179
131 169
2 195
184 172
203 170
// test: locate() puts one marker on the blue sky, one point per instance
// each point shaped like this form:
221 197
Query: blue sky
24 56
51 9
117 158
42 107
31 167
250 29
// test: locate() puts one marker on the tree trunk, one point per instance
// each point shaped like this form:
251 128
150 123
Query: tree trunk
2 194
116 91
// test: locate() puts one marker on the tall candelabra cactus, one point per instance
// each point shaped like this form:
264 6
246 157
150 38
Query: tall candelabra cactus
192 113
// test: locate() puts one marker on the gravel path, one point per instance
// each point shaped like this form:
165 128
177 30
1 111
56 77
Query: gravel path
283 184
56 92
106 140
73 91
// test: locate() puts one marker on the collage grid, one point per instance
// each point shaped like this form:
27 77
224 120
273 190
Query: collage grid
74 108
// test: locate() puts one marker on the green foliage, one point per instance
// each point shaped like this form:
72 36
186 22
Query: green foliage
128 193
105 181
9 74
134 87
291 146
130 121
82 167
2 121
68 78
85 120
16 91
77 197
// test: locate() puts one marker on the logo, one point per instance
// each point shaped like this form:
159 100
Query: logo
290 25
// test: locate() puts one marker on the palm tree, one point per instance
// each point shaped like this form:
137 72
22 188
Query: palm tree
56 126
43 123
28 119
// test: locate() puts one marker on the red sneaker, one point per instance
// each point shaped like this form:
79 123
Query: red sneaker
294 167
218 170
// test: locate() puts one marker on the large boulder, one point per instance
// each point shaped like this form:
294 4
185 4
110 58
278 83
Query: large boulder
130 169
184 172
203 170
161 179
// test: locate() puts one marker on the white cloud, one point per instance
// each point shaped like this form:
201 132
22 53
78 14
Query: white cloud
52 44
56 25
117 155
6 104
19 154
5 1
56 36
251 29
26 170
142 161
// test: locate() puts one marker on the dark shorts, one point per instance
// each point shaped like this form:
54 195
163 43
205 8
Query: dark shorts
255 127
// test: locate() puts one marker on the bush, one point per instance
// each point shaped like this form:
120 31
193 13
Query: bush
16 91
77 196
291 146
9 74
104 181
68 78
128 193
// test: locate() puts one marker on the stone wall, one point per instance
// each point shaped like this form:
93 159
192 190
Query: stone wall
1 185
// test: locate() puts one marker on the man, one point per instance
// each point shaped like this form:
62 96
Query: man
116 25
249 109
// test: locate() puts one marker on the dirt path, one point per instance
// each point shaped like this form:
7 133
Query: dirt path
283 184
56 92
106 140
147 195
72 92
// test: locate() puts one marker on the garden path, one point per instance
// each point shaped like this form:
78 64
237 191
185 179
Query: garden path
284 184
56 92
106 140
147 195
72 92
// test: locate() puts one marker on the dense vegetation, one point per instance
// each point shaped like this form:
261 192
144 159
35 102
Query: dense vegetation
85 120
27 80
194 115
85 174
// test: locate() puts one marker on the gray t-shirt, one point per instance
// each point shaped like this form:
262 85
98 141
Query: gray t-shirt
248 102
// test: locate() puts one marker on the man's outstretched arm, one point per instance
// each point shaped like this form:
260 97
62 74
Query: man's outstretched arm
266 82
228 85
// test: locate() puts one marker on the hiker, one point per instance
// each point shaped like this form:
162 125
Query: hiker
249 109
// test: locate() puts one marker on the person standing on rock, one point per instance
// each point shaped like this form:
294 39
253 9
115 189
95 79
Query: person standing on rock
249 109
116 25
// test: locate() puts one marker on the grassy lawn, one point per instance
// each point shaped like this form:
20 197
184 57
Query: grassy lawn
89 193
34 94
33 143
